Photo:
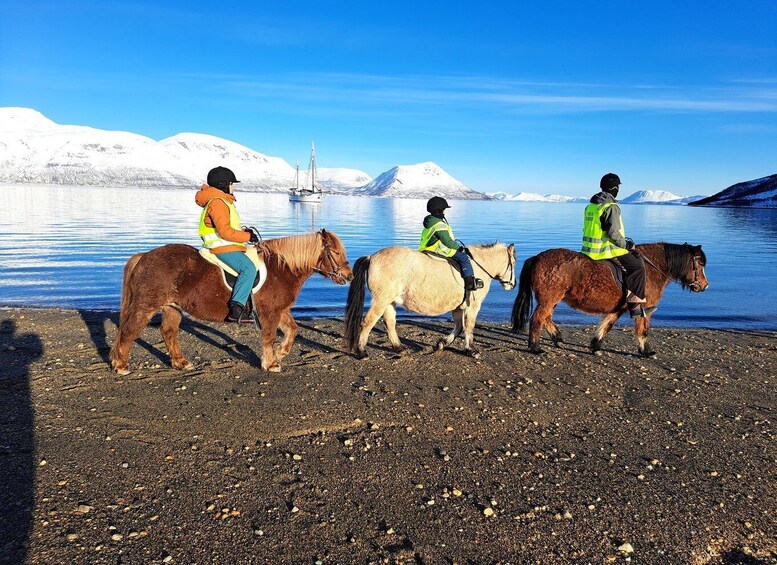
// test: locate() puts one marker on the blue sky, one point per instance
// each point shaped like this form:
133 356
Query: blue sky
514 96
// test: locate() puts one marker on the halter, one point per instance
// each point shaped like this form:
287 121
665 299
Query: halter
333 265
499 277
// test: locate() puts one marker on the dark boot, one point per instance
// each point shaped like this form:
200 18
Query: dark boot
639 311
235 311
471 283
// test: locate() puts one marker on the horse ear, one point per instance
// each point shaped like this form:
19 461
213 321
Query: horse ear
511 248
323 233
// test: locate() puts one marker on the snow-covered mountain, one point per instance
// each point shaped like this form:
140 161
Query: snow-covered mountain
418 181
34 149
341 180
758 193
658 197
534 197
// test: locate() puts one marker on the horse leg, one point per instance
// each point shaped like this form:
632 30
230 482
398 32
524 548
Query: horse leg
270 321
372 317
470 316
290 330
641 329
171 319
604 327
458 326
390 319
541 318
129 330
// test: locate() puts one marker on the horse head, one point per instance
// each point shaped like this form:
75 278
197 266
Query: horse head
686 265
499 262
332 262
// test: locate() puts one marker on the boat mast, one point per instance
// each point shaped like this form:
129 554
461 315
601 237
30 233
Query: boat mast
296 177
312 167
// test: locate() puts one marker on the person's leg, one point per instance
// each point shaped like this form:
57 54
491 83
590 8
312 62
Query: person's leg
635 275
466 265
246 274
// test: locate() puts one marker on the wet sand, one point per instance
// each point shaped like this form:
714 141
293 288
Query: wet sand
418 458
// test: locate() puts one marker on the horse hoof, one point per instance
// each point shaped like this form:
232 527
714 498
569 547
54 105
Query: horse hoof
273 368
474 353
122 371
647 353
536 349
441 345
360 354
184 365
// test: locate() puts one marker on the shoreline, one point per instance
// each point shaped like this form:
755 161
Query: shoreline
426 457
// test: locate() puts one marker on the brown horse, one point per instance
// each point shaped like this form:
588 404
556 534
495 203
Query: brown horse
563 275
176 279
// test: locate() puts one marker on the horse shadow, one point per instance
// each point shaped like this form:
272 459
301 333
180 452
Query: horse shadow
17 441
98 322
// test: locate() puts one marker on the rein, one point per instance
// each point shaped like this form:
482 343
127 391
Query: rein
694 258
498 277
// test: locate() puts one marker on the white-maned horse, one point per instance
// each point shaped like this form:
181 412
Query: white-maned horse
424 284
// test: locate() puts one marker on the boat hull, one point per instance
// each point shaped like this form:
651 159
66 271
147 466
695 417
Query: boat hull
313 198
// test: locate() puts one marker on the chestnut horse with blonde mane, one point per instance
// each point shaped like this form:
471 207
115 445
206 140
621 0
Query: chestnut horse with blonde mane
558 275
175 279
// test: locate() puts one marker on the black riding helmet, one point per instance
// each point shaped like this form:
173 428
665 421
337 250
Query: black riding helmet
610 183
220 177
436 204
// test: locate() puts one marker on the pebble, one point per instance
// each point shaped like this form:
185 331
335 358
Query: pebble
296 457
567 515
167 559
488 511
117 537
83 508
626 548
72 537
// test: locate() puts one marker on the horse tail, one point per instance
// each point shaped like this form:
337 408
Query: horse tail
523 302
126 287
354 308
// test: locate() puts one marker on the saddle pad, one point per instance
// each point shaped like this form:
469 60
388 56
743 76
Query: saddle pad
617 274
261 268
451 261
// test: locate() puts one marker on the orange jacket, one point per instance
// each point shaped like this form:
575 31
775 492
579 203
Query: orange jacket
218 217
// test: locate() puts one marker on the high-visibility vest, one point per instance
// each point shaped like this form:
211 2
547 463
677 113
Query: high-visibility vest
209 235
596 244
438 246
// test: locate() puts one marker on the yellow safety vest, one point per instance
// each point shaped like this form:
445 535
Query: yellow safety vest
596 244
438 246
210 237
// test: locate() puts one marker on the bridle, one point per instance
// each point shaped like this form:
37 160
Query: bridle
334 266
695 285
500 277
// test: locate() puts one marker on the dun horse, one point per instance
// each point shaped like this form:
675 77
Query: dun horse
398 276
175 279
560 275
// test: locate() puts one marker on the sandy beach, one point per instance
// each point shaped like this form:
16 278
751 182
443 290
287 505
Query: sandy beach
418 458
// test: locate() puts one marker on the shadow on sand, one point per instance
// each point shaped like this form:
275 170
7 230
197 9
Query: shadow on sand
17 441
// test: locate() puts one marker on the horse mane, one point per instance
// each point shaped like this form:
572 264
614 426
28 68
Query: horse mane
487 245
678 258
298 252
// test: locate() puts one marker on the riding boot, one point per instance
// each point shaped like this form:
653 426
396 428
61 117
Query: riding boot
235 311
639 311
471 283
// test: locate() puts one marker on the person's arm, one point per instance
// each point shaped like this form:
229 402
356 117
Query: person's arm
445 238
219 215
611 222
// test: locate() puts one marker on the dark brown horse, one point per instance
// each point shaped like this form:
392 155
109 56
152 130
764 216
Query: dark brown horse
176 279
560 275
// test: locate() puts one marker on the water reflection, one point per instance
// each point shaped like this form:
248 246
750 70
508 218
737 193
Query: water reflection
66 246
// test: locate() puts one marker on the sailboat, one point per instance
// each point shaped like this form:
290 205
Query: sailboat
310 192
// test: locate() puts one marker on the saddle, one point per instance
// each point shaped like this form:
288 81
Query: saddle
456 267
229 275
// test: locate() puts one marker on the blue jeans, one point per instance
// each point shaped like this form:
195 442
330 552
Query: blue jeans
246 274
463 260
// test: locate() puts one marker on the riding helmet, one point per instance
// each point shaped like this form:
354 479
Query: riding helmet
609 181
220 177
436 203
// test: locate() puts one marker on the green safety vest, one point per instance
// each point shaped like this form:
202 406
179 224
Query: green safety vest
596 244
210 237
438 246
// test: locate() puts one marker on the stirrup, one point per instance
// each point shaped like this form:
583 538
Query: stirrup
642 312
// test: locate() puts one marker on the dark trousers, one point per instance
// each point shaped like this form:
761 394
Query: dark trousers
635 273
464 263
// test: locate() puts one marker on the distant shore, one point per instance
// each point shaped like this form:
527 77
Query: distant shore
423 458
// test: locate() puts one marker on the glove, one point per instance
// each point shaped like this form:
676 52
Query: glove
630 244
253 235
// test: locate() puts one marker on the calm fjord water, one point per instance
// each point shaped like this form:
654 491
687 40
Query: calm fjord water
66 246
